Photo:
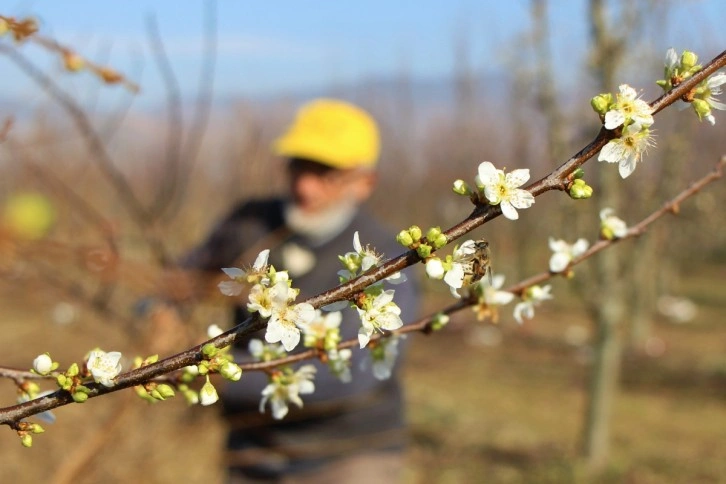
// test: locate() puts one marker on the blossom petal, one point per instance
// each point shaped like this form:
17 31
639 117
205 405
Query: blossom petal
612 152
517 178
261 260
627 166
613 119
521 199
509 211
487 173
559 261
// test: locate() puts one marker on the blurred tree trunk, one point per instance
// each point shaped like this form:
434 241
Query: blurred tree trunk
609 308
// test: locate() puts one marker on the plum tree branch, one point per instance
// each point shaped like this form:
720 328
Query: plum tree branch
480 215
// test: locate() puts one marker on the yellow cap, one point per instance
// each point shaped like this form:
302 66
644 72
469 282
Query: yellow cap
331 132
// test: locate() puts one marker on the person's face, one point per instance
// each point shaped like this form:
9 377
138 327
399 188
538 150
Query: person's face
316 187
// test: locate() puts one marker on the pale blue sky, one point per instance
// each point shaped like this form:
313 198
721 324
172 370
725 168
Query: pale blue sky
278 46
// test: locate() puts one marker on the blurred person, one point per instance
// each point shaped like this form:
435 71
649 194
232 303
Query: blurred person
346 432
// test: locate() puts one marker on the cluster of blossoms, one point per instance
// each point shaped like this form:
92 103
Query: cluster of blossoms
633 117
323 333
495 187
375 306
272 296
702 97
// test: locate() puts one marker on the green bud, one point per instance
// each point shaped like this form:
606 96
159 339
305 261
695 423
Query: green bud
31 388
404 238
462 188
231 371
580 190
663 84
80 397
191 397
701 107
439 321
601 103
579 173
423 251
415 232
73 370
150 360
26 440
688 59
156 395
62 381
607 233
432 233
440 241
209 350
203 368
36 428
165 390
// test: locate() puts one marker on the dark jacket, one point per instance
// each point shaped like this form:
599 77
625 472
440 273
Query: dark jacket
363 414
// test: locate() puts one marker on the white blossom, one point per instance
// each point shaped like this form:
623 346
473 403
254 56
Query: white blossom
707 91
564 253
435 268
325 328
265 352
533 296
384 357
503 190
628 109
628 149
379 312
458 263
490 296
213 331
208 394
104 367
339 363
611 226
239 276
43 364
288 388
286 320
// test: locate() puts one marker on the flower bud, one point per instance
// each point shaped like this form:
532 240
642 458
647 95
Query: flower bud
440 241
701 107
231 371
688 59
73 62
601 103
435 268
579 173
166 391
26 440
36 428
415 232
209 350
439 321
208 394
423 251
79 397
432 233
43 364
462 188
73 370
404 238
